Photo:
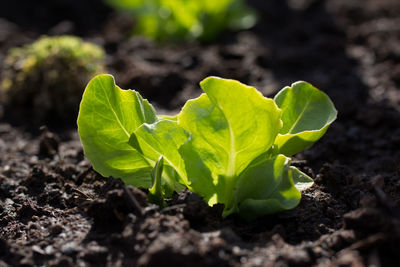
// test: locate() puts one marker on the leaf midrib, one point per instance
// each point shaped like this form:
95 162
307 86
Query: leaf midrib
301 114
113 111
230 172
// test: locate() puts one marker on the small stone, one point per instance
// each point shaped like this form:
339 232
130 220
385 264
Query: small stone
296 257
70 249
49 250
62 261
49 142
55 229
229 235
349 258
96 253
236 250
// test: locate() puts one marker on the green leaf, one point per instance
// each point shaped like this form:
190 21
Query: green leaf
155 192
202 181
162 138
230 126
169 117
301 180
265 188
107 117
307 114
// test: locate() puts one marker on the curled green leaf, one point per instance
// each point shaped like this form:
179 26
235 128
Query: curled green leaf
307 114
155 192
162 138
266 187
107 117
301 180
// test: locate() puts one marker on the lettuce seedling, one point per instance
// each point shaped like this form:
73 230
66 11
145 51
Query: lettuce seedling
231 145
174 20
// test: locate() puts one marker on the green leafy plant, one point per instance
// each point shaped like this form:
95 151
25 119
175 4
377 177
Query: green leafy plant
231 145
172 20
46 78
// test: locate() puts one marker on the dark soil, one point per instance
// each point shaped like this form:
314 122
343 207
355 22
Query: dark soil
56 211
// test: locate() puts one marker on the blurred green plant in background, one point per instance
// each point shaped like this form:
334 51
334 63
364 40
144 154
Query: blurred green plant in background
176 20
46 79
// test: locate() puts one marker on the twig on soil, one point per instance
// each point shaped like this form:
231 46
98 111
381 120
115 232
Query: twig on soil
371 241
299 161
137 208
82 175
153 208
173 207
86 197
386 202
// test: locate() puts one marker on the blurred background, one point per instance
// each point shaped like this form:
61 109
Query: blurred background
164 48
